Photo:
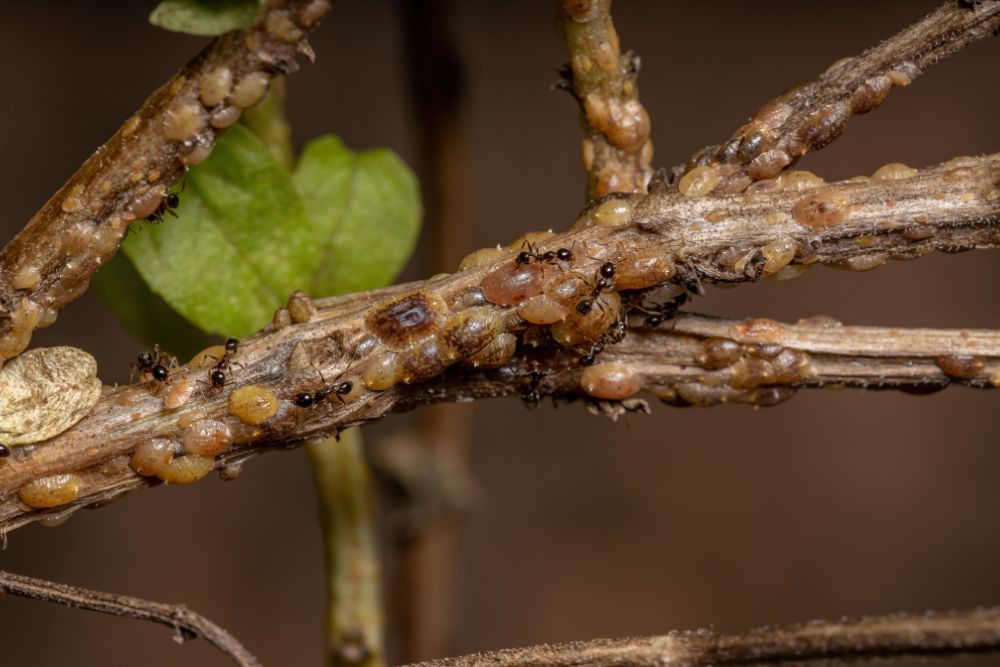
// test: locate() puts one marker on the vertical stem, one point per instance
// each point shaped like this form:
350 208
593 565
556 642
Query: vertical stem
427 598
617 150
343 485
269 122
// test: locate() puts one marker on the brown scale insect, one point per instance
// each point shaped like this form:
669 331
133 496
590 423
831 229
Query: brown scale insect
407 320
614 335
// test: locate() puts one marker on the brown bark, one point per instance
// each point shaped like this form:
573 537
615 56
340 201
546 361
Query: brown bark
50 262
951 633
185 623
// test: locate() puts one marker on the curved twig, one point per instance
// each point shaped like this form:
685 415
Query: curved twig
50 262
812 115
186 623
933 634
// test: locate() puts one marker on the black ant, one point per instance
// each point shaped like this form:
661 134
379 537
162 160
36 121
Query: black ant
659 313
605 280
217 377
170 201
531 394
157 364
305 399
530 254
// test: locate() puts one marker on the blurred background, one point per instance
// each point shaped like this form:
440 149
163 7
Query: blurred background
833 503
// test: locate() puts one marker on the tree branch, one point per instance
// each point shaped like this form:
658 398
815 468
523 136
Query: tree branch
394 345
617 151
186 623
50 262
933 634
810 116
697 360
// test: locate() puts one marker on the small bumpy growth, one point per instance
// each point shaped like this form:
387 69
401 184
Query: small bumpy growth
53 491
789 126
164 459
758 373
617 150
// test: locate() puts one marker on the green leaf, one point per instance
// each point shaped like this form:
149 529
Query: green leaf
146 315
205 17
242 241
248 233
365 211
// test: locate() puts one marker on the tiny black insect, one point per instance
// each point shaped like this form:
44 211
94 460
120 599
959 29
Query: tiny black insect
530 254
531 395
218 376
604 280
305 399
661 312
170 201
156 364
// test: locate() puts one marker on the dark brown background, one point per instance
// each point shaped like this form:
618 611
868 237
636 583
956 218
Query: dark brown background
834 503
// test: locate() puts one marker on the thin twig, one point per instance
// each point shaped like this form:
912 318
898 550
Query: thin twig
617 151
50 262
812 115
185 623
932 634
